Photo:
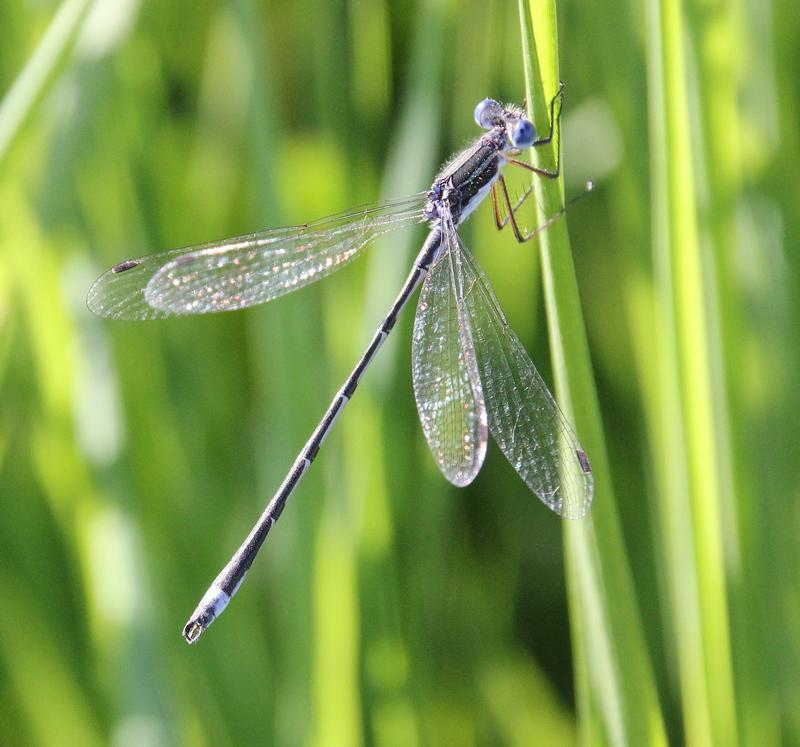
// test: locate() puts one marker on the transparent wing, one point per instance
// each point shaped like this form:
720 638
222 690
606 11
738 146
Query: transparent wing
524 418
247 270
447 384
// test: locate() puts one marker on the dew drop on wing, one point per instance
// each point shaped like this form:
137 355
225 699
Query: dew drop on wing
128 264
584 461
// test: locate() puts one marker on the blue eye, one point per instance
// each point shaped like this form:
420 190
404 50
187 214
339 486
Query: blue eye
524 134
487 113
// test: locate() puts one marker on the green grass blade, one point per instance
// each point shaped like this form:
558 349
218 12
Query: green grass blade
31 83
616 693
689 464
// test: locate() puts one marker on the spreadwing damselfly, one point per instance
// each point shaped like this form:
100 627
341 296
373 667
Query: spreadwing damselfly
471 375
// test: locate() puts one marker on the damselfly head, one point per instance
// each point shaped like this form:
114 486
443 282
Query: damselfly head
519 130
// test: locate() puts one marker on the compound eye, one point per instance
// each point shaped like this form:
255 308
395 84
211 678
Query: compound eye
488 113
524 134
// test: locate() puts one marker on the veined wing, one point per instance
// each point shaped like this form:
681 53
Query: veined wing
524 419
447 384
246 270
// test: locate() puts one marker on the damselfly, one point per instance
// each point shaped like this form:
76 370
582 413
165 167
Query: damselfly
471 374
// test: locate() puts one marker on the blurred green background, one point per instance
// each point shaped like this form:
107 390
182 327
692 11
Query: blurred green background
389 607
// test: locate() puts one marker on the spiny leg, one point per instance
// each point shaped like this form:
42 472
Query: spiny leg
522 238
536 170
499 222
511 217
553 119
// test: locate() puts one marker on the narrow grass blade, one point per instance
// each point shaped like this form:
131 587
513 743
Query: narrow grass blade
688 448
31 83
616 694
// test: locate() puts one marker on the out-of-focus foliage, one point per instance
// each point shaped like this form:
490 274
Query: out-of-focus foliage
389 607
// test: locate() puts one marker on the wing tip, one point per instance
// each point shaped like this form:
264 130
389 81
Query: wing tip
113 294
